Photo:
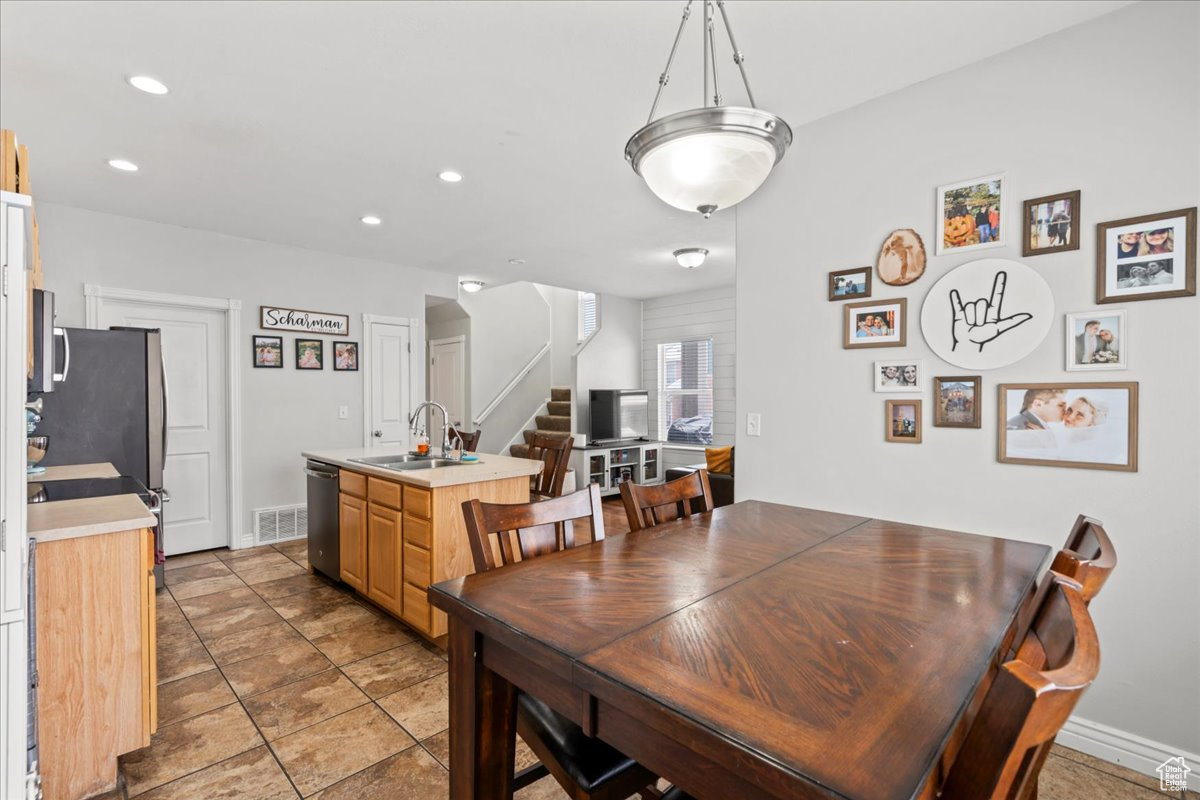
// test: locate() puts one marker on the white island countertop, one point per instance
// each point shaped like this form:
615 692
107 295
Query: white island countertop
489 467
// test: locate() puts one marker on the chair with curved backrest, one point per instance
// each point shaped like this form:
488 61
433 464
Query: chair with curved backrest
644 505
555 454
1088 557
469 440
587 768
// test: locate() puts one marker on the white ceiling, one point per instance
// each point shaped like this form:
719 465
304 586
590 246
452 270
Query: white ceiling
287 121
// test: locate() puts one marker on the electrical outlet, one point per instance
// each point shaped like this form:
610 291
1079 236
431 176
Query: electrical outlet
343 412
754 424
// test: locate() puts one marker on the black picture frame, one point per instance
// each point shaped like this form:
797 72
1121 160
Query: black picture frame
305 344
842 273
265 341
337 368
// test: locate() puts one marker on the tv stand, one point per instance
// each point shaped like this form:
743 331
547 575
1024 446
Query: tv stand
609 465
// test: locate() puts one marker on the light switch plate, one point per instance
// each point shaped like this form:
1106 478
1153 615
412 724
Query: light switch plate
343 412
754 424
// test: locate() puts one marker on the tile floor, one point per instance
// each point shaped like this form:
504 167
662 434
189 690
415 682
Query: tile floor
276 684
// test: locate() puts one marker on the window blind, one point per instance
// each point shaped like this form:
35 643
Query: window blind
587 314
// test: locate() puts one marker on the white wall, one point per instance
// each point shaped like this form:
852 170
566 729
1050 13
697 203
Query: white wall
707 314
511 323
564 331
612 358
446 321
1110 108
283 410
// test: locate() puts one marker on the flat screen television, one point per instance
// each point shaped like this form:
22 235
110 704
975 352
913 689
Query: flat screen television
618 415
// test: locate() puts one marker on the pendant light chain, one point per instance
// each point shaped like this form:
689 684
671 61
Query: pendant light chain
712 52
738 58
665 77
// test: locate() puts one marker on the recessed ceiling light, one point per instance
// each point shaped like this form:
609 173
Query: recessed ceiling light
516 261
690 257
371 219
450 176
471 286
123 165
148 85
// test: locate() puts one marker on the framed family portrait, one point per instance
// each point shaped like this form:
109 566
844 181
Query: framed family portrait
1146 258
875 323
1051 224
850 284
1082 425
268 352
905 375
1097 340
903 421
308 354
345 356
968 215
957 402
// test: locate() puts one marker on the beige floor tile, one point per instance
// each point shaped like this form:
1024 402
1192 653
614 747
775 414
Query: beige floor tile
214 626
211 569
253 774
192 696
245 552
180 659
1100 764
306 702
364 640
174 628
165 607
284 587
239 646
439 747
185 747
225 583
272 572
545 789
221 601
325 753
393 670
271 670
189 560
422 709
293 549
271 559
320 623
410 775
310 601
1064 779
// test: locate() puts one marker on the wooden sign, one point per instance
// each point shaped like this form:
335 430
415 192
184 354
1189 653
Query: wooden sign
272 318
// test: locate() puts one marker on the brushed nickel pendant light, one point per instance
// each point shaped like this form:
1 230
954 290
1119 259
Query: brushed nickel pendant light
712 157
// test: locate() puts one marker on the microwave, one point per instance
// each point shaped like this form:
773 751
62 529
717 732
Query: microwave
45 372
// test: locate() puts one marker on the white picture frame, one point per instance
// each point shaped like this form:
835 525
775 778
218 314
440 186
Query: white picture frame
1006 221
1075 350
898 376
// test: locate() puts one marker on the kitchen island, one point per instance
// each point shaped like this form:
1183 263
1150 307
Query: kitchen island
401 530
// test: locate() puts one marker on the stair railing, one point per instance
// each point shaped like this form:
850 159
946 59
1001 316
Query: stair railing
508 388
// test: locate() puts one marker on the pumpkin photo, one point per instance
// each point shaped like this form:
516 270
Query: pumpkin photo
958 231
969 214
901 258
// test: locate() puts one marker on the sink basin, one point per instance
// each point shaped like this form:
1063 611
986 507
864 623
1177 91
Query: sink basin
406 462
387 461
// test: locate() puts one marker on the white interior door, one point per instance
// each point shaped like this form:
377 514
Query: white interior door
390 385
194 353
447 377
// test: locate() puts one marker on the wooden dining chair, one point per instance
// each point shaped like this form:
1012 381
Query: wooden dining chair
586 768
1088 557
645 506
555 454
470 440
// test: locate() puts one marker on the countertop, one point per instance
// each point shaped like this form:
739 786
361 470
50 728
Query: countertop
88 516
489 467
71 472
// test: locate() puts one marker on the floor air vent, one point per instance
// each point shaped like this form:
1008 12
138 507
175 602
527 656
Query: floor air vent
280 524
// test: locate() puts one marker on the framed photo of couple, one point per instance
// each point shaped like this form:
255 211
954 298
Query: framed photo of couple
875 323
850 284
1097 340
905 375
1081 425
1146 258
1051 224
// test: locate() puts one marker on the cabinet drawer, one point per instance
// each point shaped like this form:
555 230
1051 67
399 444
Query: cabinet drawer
418 531
416 566
383 492
418 502
416 607
353 483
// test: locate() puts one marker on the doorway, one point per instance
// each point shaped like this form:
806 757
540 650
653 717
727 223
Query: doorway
388 385
447 377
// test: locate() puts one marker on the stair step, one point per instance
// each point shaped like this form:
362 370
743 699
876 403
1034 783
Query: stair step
560 393
552 434
519 451
559 408
550 422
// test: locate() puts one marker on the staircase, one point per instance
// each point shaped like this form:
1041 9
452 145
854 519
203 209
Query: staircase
555 423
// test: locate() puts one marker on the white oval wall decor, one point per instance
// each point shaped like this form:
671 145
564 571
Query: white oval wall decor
987 313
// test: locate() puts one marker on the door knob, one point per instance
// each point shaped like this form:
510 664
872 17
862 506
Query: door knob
377 434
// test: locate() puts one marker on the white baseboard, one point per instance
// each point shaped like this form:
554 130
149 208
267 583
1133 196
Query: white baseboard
246 542
1119 747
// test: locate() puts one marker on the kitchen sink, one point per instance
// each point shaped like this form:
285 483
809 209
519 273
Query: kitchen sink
406 462
387 461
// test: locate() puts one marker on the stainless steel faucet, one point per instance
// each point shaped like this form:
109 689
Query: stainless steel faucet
446 448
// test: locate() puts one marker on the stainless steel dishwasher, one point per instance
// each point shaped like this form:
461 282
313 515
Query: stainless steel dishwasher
323 536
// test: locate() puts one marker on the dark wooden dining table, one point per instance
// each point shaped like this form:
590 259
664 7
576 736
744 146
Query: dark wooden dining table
759 650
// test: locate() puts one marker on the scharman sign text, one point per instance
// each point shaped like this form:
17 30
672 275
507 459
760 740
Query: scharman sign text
295 319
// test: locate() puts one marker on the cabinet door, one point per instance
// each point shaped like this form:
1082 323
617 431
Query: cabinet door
384 559
352 529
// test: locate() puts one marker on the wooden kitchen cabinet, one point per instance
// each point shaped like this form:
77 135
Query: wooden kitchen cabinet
385 566
352 529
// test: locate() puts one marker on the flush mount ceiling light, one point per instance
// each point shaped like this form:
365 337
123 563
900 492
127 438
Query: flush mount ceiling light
690 257
370 219
471 286
711 157
123 165
148 85
450 176
516 261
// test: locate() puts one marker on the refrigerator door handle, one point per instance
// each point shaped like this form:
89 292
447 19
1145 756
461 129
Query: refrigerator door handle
62 376
163 366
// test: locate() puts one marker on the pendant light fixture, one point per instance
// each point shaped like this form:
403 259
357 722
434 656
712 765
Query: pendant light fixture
711 157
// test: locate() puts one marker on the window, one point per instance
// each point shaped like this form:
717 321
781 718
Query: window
685 398
588 314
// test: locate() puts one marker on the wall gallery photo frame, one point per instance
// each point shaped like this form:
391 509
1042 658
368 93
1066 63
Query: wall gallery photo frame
957 401
903 421
850 284
1147 258
1051 224
970 215
268 352
875 323
1080 425
1097 340
901 376
309 354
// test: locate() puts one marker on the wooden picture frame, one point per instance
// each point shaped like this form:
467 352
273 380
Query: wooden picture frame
1074 229
898 337
843 273
1008 426
1186 243
889 425
302 361
266 341
940 418
338 361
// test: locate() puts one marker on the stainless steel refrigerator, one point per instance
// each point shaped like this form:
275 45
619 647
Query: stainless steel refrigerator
111 405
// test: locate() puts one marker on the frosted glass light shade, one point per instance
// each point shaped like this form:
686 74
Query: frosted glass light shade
708 158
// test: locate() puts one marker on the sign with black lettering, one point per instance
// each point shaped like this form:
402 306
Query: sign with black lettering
295 319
